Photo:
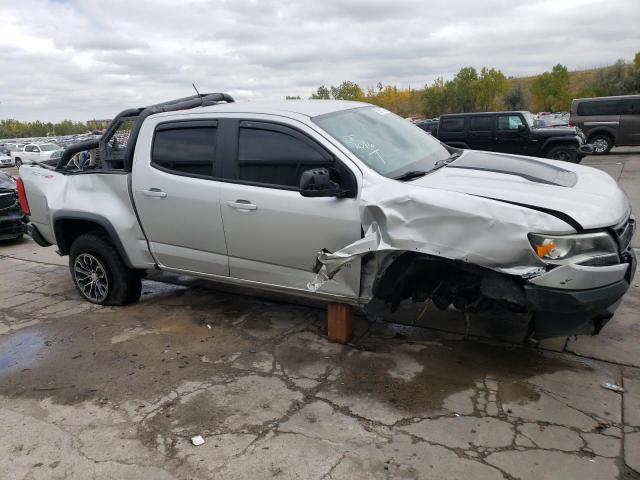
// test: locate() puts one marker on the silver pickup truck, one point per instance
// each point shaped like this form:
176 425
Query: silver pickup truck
335 200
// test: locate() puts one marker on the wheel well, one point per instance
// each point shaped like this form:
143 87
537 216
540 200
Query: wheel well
558 143
66 231
447 282
604 133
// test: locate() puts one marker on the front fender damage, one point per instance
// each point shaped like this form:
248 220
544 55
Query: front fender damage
450 225
468 252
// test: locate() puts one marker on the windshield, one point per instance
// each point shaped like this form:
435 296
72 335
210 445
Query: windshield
383 141
47 147
528 117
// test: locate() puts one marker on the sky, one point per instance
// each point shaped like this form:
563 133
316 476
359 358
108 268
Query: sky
84 59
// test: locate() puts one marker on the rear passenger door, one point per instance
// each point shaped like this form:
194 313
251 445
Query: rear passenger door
629 133
274 233
481 132
177 195
452 131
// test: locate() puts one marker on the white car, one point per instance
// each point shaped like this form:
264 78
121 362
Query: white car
33 153
334 200
6 160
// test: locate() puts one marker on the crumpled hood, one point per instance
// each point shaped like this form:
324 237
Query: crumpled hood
589 196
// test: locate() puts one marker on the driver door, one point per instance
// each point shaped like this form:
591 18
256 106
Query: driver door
274 233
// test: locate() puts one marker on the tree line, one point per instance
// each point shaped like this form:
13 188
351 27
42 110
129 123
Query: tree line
15 129
489 89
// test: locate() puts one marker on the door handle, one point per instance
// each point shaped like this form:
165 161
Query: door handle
154 193
242 205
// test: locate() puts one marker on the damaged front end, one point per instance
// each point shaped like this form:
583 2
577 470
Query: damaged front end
472 254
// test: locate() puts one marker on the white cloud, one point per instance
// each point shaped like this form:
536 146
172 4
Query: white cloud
84 59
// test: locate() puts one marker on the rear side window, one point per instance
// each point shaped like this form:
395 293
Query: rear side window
481 124
605 107
452 125
509 122
275 157
185 147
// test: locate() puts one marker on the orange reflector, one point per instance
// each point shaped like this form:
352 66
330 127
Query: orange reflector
542 250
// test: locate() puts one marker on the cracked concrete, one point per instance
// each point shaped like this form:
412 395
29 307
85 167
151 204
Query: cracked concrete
92 392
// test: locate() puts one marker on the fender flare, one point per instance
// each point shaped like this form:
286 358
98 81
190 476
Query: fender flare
555 141
602 129
98 220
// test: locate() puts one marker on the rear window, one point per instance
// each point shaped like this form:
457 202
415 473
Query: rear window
452 125
481 123
604 107
188 150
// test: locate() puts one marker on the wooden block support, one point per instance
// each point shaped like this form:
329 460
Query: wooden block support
339 322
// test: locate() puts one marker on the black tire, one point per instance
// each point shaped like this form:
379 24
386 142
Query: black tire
18 162
96 255
602 143
565 153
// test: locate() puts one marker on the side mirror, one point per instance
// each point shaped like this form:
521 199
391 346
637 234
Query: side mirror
522 128
318 183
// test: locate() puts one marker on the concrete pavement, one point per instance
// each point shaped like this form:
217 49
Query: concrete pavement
104 392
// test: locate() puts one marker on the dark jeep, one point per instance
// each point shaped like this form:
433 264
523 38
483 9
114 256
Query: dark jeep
512 132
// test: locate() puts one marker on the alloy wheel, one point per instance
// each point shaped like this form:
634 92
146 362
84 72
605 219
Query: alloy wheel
600 145
91 277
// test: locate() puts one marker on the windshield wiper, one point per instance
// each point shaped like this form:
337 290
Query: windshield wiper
411 174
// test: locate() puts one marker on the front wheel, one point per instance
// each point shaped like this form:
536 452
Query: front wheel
99 273
564 153
18 162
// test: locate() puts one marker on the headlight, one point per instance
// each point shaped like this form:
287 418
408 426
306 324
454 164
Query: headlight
561 249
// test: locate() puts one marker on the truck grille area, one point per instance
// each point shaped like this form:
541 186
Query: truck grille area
624 234
8 200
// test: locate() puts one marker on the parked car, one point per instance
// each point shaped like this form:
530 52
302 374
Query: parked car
608 121
12 220
512 132
429 125
33 153
333 200
6 160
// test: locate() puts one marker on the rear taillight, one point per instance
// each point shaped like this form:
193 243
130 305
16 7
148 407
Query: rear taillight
22 197
570 124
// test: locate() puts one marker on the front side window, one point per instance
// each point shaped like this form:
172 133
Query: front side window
509 122
383 141
275 157
185 149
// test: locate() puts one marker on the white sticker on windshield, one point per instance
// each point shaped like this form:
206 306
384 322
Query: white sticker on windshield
381 111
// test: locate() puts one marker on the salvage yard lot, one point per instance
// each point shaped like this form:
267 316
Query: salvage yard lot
105 392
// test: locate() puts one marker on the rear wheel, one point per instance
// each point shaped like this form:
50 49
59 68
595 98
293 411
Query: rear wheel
99 273
602 143
18 162
565 153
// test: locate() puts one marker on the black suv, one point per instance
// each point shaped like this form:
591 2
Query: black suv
512 132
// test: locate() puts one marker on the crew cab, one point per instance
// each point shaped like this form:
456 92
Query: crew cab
512 132
334 200
35 153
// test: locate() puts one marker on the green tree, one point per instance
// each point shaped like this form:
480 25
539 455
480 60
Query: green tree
551 90
491 84
322 93
515 99
347 90
435 98
464 89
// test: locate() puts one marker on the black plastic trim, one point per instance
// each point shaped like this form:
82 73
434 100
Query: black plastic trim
92 218
34 233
